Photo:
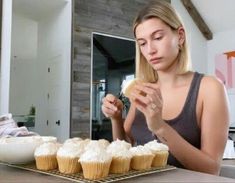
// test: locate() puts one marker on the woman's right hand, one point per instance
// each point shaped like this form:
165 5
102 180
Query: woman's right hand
112 107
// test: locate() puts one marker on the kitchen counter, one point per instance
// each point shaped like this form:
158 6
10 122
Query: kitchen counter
15 175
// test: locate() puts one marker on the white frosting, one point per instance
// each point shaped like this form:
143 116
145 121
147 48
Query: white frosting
121 143
85 142
73 140
95 155
70 150
103 142
155 146
95 144
48 148
140 150
125 85
119 151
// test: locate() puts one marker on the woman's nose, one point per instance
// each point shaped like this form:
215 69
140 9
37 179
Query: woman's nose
151 48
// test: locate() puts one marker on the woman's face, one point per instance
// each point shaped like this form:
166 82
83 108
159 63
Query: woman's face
158 43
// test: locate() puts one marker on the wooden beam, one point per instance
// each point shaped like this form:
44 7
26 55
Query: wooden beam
198 19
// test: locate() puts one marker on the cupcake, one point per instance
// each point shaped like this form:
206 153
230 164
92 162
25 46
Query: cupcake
104 143
142 158
129 86
45 156
121 158
68 156
95 163
97 144
73 140
160 152
121 143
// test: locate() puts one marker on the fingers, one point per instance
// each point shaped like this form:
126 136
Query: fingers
107 111
111 106
152 94
151 85
109 102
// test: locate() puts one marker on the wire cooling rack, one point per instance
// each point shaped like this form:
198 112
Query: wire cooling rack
78 177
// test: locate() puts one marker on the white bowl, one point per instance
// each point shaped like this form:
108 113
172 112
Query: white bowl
19 150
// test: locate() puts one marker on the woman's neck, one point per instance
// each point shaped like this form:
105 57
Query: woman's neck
172 79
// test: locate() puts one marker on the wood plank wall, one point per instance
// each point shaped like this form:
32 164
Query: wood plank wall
107 16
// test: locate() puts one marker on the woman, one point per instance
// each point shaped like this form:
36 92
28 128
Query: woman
183 109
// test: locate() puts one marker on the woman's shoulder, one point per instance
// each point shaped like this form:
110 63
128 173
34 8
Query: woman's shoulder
212 81
211 85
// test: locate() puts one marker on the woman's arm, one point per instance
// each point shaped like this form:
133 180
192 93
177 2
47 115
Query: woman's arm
128 123
122 130
214 131
112 108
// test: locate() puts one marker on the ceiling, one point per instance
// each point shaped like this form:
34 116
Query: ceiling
36 9
219 15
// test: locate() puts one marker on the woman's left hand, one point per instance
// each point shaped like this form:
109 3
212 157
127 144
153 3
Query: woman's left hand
148 99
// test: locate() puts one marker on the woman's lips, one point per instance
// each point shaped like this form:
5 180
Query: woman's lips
155 60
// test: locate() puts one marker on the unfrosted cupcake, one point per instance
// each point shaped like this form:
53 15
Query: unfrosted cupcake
95 163
142 158
45 156
160 152
68 156
121 158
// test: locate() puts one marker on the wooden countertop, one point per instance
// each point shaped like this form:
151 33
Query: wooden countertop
15 175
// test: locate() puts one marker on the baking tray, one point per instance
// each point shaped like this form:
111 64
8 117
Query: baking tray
78 177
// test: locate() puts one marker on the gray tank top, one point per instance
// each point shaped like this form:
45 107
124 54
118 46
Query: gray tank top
185 123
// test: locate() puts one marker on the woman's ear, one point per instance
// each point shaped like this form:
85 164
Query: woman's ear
181 34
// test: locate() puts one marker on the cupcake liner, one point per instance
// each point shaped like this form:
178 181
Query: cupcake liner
68 165
48 162
120 165
160 159
95 170
141 162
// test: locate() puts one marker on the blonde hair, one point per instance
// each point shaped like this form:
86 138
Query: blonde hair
164 11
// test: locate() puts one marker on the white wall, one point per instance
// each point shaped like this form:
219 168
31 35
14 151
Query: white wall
23 57
5 56
222 42
197 43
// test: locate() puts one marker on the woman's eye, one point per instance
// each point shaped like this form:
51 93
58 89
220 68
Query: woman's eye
141 44
158 38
